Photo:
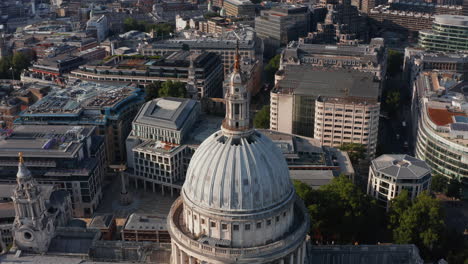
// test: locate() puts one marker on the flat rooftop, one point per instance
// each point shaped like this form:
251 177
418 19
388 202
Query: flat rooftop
43 141
167 112
310 81
74 99
443 117
157 146
452 20
149 222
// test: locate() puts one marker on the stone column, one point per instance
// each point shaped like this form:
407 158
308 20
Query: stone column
191 260
173 254
298 256
291 258
282 261
176 256
183 257
304 249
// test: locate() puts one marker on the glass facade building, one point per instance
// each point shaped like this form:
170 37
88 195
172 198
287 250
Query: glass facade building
449 33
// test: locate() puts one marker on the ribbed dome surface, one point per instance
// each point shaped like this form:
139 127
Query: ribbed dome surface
237 174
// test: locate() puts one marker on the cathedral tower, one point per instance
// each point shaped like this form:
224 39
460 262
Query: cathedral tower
33 228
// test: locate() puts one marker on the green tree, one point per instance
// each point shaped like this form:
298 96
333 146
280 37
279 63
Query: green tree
262 118
392 101
394 62
133 24
420 222
304 191
161 29
454 188
356 152
5 65
341 212
398 206
271 68
151 91
172 89
210 15
439 183
13 66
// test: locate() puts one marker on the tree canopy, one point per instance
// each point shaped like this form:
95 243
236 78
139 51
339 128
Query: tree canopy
356 152
271 68
161 29
394 62
439 183
341 212
392 101
172 89
151 91
419 222
454 188
262 118
14 65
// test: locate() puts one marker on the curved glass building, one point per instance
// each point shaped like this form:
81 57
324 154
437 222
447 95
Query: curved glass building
449 33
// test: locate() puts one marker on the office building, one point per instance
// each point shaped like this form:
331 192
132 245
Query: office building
390 174
98 26
418 60
109 108
346 119
335 106
239 8
282 24
370 57
221 178
71 158
202 72
224 45
449 33
155 147
441 124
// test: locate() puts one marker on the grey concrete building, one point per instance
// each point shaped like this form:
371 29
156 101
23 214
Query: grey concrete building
282 24
155 148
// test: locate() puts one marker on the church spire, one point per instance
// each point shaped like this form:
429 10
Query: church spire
23 171
237 59
237 120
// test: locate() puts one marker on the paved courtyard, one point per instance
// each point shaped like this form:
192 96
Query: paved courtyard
144 201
